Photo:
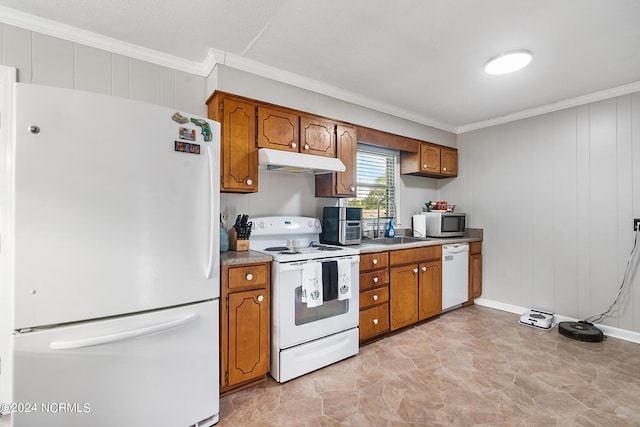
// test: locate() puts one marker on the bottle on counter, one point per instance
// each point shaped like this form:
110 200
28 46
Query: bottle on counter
390 231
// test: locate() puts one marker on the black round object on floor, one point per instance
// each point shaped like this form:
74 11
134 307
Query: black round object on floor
582 331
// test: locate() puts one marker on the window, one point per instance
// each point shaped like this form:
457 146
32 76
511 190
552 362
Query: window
377 175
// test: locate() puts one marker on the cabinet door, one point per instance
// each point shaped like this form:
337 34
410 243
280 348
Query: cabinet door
317 136
341 184
430 289
347 145
403 296
239 152
248 335
429 158
449 161
278 129
475 271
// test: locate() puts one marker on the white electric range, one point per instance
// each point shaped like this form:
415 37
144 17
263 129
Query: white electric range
305 338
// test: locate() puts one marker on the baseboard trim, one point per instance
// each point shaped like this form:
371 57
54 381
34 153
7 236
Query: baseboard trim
610 331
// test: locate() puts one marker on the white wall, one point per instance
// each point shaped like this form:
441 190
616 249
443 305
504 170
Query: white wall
283 193
556 196
45 60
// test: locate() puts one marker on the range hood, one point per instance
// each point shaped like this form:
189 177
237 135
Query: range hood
287 161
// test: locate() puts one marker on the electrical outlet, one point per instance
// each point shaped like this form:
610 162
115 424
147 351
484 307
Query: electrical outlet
636 224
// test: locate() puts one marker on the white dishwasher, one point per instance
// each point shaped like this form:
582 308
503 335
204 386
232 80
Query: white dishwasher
455 275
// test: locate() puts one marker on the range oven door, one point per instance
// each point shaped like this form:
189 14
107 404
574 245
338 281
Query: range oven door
293 322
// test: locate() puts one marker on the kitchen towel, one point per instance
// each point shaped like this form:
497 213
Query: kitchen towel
344 279
329 280
311 289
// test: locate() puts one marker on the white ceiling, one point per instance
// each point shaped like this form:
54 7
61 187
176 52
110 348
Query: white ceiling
418 59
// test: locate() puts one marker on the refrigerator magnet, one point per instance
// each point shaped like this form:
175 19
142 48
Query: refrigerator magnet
177 117
186 147
206 130
187 134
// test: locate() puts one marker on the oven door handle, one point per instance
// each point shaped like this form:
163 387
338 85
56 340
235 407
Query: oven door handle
298 266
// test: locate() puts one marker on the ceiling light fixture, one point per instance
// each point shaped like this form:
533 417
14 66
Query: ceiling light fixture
508 62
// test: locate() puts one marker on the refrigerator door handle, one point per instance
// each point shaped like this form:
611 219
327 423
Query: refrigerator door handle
119 336
212 245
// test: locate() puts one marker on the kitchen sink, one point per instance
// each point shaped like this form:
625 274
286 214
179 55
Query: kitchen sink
395 240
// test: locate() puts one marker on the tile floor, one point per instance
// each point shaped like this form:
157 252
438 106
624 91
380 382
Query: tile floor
471 366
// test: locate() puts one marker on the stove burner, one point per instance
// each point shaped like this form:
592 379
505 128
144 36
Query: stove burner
277 248
327 248
290 252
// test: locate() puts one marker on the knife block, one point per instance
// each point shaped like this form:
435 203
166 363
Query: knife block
235 244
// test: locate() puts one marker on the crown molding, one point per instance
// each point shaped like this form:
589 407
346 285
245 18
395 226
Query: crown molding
277 74
550 108
67 32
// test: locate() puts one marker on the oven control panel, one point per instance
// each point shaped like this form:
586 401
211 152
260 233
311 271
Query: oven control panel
279 225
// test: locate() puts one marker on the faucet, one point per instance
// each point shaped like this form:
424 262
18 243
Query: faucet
388 199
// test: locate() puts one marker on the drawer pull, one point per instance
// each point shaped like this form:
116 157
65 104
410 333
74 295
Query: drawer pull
249 276
375 321
260 298
375 280
375 261
375 297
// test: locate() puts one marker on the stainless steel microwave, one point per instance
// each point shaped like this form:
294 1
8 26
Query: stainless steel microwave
445 224
341 226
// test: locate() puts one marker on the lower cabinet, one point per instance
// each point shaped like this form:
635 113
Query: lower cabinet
403 287
415 285
430 289
475 269
245 325
374 295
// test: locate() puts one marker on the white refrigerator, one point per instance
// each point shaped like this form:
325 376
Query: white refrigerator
110 285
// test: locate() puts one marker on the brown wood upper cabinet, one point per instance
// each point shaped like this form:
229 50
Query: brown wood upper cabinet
289 131
317 136
341 184
278 129
238 151
431 160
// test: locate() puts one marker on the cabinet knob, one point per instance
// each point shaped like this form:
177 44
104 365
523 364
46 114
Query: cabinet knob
375 297
424 268
375 321
375 280
306 146
444 169
375 261
260 298
424 166
415 270
249 182
249 276
294 145
352 188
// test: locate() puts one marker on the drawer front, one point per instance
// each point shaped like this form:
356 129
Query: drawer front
374 321
374 297
374 279
249 276
374 261
416 255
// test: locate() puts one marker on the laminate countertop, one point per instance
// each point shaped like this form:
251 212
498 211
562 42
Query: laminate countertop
371 246
243 257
